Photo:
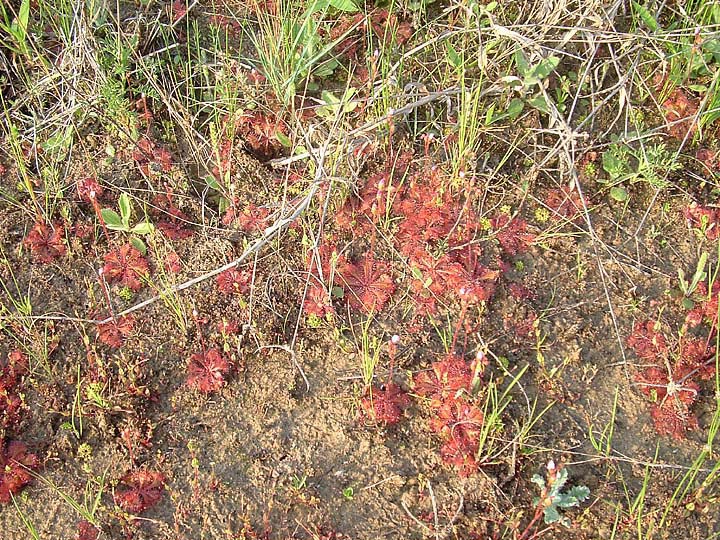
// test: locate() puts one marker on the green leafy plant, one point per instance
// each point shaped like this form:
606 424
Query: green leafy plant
527 85
291 48
121 222
649 164
15 26
553 498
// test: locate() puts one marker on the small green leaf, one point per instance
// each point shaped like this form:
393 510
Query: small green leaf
112 219
139 245
125 208
337 292
688 303
515 108
453 56
545 67
144 227
212 183
646 16
580 493
347 6
551 514
284 139
521 62
538 480
619 193
417 273
540 103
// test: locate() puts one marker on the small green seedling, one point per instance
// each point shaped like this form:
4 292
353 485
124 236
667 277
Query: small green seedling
552 498
688 288
121 222
527 84
348 493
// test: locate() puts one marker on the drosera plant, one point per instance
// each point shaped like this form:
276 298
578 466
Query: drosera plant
383 404
207 370
140 490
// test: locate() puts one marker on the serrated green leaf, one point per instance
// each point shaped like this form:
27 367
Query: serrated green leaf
551 514
144 227
579 492
111 219
539 480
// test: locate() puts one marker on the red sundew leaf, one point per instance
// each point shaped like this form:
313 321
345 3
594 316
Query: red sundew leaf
318 301
260 134
228 328
144 489
207 371
673 417
446 378
698 358
178 10
680 111
384 405
172 263
254 218
86 531
655 382
647 343
15 366
46 243
522 328
89 189
512 234
113 333
151 157
368 282
386 27
703 218
521 292
455 417
352 45
15 466
564 204
460 453
126 265
709 158
11 405
171 221
174 230
234 281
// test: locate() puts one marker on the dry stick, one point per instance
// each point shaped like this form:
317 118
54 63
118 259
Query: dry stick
268 235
